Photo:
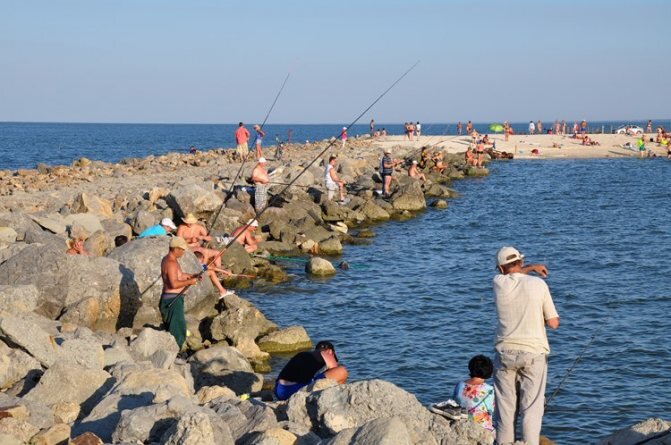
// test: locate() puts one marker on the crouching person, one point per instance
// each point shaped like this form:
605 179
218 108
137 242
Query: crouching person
305 367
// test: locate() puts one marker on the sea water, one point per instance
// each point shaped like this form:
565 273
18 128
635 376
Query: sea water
24 145
417 303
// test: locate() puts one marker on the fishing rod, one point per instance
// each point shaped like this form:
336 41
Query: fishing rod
577 360
319 155
244 159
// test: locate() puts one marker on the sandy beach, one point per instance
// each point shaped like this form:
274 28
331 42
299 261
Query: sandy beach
549 146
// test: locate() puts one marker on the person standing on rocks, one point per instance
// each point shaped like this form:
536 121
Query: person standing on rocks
164 228
387 165
343 137
304 367
260 179
524 307
259 141
372 127
332 182
241 138
459 128
171 304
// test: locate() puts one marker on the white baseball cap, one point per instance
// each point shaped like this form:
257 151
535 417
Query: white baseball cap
253 223
168 223
262 160
507 255
344 128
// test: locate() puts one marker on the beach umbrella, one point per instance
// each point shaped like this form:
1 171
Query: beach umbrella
496 128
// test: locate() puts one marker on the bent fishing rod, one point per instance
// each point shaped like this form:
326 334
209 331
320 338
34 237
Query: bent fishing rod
319 155
570 370
242 164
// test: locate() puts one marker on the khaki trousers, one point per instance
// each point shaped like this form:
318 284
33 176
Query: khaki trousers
519 384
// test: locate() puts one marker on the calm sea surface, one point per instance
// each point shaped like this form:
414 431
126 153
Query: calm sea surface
423 305
24 145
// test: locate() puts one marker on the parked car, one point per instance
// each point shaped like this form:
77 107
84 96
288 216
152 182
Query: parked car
629 129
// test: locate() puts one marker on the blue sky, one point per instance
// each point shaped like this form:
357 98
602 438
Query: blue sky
207 61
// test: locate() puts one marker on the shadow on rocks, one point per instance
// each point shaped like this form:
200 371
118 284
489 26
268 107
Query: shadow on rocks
129 309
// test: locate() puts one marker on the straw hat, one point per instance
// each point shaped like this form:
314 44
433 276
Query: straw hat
177 242
190 219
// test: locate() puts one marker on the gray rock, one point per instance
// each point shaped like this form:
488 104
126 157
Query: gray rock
18 429
291 339
159 347
99 243
7 235
66 280
439 204
8 251
158 423
39 414
374 212
236 259
15 365
52 223
85 352
244 416
191 429
19 299
20 222
117 354
30 337
273 436
409 197
383 431
240 320
640 432
319 267
194 199
87 203
225 366
352 405
144 219
330 246
89 222
65 382
141 285
115 228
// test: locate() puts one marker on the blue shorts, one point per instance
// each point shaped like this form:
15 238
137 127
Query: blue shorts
283 392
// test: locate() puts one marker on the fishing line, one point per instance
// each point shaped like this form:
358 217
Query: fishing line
319 155
242 164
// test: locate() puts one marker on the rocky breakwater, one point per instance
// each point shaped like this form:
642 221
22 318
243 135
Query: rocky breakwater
81 349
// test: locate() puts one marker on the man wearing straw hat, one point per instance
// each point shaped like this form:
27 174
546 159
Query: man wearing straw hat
171 305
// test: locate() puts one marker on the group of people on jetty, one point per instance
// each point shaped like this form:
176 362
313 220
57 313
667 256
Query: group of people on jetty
524 306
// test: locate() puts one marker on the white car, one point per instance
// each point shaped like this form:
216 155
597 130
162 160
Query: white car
629 129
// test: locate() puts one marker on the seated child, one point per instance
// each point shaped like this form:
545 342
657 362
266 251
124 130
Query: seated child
475 395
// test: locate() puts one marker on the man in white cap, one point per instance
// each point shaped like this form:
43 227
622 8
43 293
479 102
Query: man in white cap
171 304
387 165
246 235
165 227
523 307
260 179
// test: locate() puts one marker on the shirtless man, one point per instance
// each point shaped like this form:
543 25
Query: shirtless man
469 127
459 128
211 272
260 179
247 238
194 234
259 140
413 172
470 158
76 247
171 305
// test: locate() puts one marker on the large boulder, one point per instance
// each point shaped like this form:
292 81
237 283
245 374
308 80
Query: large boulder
158 347
374 212
65 382
225 366
140 266
191 429
343 407
244 417
15 365
642 432
384 431
319 267
240 320
30 337
409 197
19 299
291 339
85 286
39 414
87 203
7 235
194 199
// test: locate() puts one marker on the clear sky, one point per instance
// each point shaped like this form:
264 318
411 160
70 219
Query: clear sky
212 61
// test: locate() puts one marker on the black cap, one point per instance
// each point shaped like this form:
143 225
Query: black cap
326 345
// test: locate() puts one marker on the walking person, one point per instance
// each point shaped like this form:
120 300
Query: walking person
459 128
241 138
343 137
539 127
532 127
524 307
418 129
469 127
372 127
259 141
